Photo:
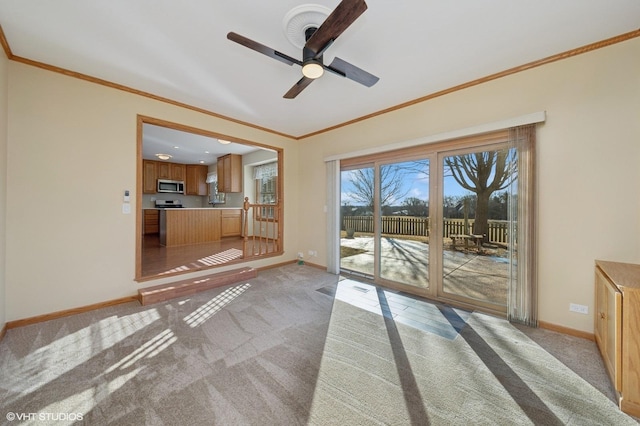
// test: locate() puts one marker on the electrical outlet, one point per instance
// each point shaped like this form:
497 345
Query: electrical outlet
581 309
313 253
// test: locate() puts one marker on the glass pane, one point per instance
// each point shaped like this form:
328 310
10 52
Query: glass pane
404 222
356 218
476 224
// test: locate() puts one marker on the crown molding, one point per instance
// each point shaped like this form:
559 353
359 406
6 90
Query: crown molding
553 58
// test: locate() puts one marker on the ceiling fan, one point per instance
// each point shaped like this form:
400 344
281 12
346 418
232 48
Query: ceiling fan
318 40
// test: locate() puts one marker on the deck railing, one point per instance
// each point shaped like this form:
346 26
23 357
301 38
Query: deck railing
497 230
261 230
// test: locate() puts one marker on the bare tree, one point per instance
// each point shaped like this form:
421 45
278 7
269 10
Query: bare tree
483 173
391 179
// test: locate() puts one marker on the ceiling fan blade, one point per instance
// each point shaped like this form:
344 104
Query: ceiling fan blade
351 72
254 45
298 87
338 21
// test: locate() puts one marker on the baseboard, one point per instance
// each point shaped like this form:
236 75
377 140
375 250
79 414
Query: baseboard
566 330
315 265
275 265
68 312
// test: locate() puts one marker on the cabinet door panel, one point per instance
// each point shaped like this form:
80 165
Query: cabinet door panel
177 171
607 326
164 170
196 182
231 224
149 177
614 333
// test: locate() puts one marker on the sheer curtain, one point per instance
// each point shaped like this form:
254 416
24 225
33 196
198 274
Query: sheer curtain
265 171
333 216
522 303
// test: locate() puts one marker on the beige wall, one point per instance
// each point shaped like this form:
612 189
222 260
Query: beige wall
3 186
71 154
588 155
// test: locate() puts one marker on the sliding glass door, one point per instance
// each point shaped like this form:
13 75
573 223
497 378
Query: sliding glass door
438 221
476 222
357 245
403 217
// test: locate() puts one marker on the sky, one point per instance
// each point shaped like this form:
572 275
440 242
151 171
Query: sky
415 183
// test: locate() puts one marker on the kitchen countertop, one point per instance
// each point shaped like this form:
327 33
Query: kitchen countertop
194 208
210 208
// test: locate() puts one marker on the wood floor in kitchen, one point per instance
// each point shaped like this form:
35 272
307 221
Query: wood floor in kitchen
161 260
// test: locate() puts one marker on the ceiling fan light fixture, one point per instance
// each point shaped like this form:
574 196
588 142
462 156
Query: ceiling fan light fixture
163 156
223 142
312 70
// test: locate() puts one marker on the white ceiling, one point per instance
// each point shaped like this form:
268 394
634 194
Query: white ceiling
179 50
186 148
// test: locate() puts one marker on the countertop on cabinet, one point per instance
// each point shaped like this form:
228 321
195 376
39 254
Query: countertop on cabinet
210 208
194 208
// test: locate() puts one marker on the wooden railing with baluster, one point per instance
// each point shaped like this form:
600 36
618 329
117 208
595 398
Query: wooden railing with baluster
261 229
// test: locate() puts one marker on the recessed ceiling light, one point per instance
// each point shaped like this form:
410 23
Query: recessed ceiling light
207 152
164 156
176 147
201 161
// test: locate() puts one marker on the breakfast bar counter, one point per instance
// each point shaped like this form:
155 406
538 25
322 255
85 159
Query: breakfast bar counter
198 225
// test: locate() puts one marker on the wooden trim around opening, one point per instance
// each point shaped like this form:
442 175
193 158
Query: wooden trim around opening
5 44
567 330
68 312
3 332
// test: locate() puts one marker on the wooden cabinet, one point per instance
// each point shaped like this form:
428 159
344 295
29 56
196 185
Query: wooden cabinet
178 171
231 223
229 169
196 181
163 170
194 175
171 171
149 177
151 221
617 328
180 227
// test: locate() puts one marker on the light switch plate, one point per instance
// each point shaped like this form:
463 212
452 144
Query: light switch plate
126 208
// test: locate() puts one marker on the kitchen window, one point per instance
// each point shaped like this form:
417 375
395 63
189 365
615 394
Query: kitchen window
266 180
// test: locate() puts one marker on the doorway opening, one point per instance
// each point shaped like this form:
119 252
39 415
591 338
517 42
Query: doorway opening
204 200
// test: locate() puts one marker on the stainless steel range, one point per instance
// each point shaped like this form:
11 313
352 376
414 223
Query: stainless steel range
168 204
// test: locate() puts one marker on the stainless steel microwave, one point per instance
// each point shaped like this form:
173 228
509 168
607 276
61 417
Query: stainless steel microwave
172 186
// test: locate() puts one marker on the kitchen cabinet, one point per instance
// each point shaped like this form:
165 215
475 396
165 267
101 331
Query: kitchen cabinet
189 226
231 223
151 220
178 171
163 170
230 173
196 179
617 328
149 177
196 182
185 226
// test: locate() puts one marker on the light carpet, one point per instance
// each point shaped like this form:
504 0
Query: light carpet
283 350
